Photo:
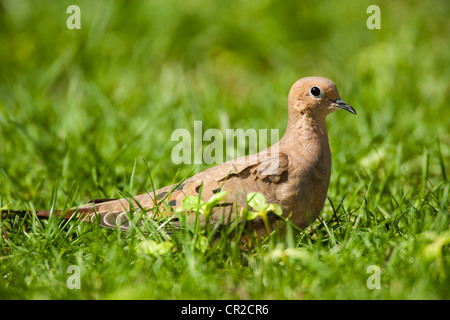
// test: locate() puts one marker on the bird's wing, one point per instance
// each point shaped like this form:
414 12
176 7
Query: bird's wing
263 172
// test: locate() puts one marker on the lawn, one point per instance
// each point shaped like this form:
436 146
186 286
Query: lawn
89 113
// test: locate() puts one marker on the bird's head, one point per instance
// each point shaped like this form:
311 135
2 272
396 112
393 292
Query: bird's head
316 96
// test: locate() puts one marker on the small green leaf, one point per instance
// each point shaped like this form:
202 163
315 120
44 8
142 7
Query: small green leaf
252 215
434 250
154 248
202 244
257 201
191 203
212 202
215 199
276 209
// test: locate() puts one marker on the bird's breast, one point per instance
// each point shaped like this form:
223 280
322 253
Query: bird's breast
308 190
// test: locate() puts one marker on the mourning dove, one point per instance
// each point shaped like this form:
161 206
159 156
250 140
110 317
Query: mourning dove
293 173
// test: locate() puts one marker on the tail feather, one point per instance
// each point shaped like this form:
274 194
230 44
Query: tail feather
45 214
21 213
110 219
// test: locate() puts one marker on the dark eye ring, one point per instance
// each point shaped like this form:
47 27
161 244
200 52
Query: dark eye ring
316 92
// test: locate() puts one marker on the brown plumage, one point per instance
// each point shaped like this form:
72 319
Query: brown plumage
294 172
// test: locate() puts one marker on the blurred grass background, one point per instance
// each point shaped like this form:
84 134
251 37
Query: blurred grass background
78 108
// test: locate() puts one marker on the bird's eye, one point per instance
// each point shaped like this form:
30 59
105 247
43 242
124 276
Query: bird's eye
316 92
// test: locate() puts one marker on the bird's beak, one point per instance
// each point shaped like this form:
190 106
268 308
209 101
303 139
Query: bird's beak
341 104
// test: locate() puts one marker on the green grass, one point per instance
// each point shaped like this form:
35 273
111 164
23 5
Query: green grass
83 111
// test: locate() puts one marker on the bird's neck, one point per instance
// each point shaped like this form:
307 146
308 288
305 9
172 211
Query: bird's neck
307 136
306 128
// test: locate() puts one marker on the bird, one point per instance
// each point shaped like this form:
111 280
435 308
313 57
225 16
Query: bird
294 173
